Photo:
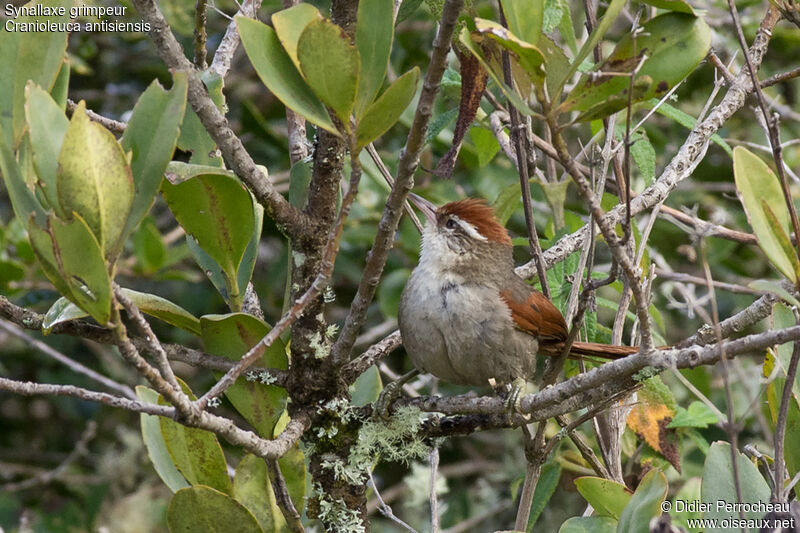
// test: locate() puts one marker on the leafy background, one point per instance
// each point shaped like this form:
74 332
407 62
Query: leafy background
114 486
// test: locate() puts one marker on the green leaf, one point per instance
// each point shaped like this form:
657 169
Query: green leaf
775 288
507 202
289 25
783 239
529 56
61 86
22 198
293 468
366 388
47 125
32 55
485 144
63 310
81 265
384 112
698 415
151 136
232 335
757 185
330 64
251 488
589 524
218 212
545 487
148 246
644 155
156 447
407 9
524 18
645 504
208 510
178 171
374 35
42 245
195 452
614 8
599 95
608 497
275 68
718 484
94 180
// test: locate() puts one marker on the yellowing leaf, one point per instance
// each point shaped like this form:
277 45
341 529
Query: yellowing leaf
94 180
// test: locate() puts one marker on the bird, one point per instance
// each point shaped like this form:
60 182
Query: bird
465 316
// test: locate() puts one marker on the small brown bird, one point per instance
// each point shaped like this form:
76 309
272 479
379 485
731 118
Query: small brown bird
465 316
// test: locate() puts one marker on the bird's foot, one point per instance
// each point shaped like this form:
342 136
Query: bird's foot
514 398
390 393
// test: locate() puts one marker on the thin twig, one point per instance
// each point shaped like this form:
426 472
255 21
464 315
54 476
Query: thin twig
150 338
28 388
386 510
282 497
110 124
433 459
71 364
780 494
227 47
200 34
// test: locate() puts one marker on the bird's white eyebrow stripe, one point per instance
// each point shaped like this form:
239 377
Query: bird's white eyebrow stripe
468 228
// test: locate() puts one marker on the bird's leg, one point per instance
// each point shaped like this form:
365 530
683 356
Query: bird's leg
515 397
390 393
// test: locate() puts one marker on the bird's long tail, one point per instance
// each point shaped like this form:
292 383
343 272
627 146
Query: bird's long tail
606 351
580 350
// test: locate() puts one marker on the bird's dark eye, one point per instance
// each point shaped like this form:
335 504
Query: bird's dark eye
451 224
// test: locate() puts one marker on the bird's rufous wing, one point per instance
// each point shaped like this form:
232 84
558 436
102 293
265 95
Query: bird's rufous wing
536 315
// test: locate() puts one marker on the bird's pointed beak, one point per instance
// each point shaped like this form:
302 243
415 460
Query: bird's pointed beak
428 209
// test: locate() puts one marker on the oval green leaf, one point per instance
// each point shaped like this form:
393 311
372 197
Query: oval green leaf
94 180
232 335
756 183
645 504
63 310
150 137
47 124
330 64
154 442
718 485
32 55
218 212
374 34
524 18
278 73
251 488
607 497
384 112
529 56
81 265
289 25
205 509
195 452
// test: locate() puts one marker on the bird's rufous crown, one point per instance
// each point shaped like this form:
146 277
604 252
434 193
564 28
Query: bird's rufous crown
481 216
